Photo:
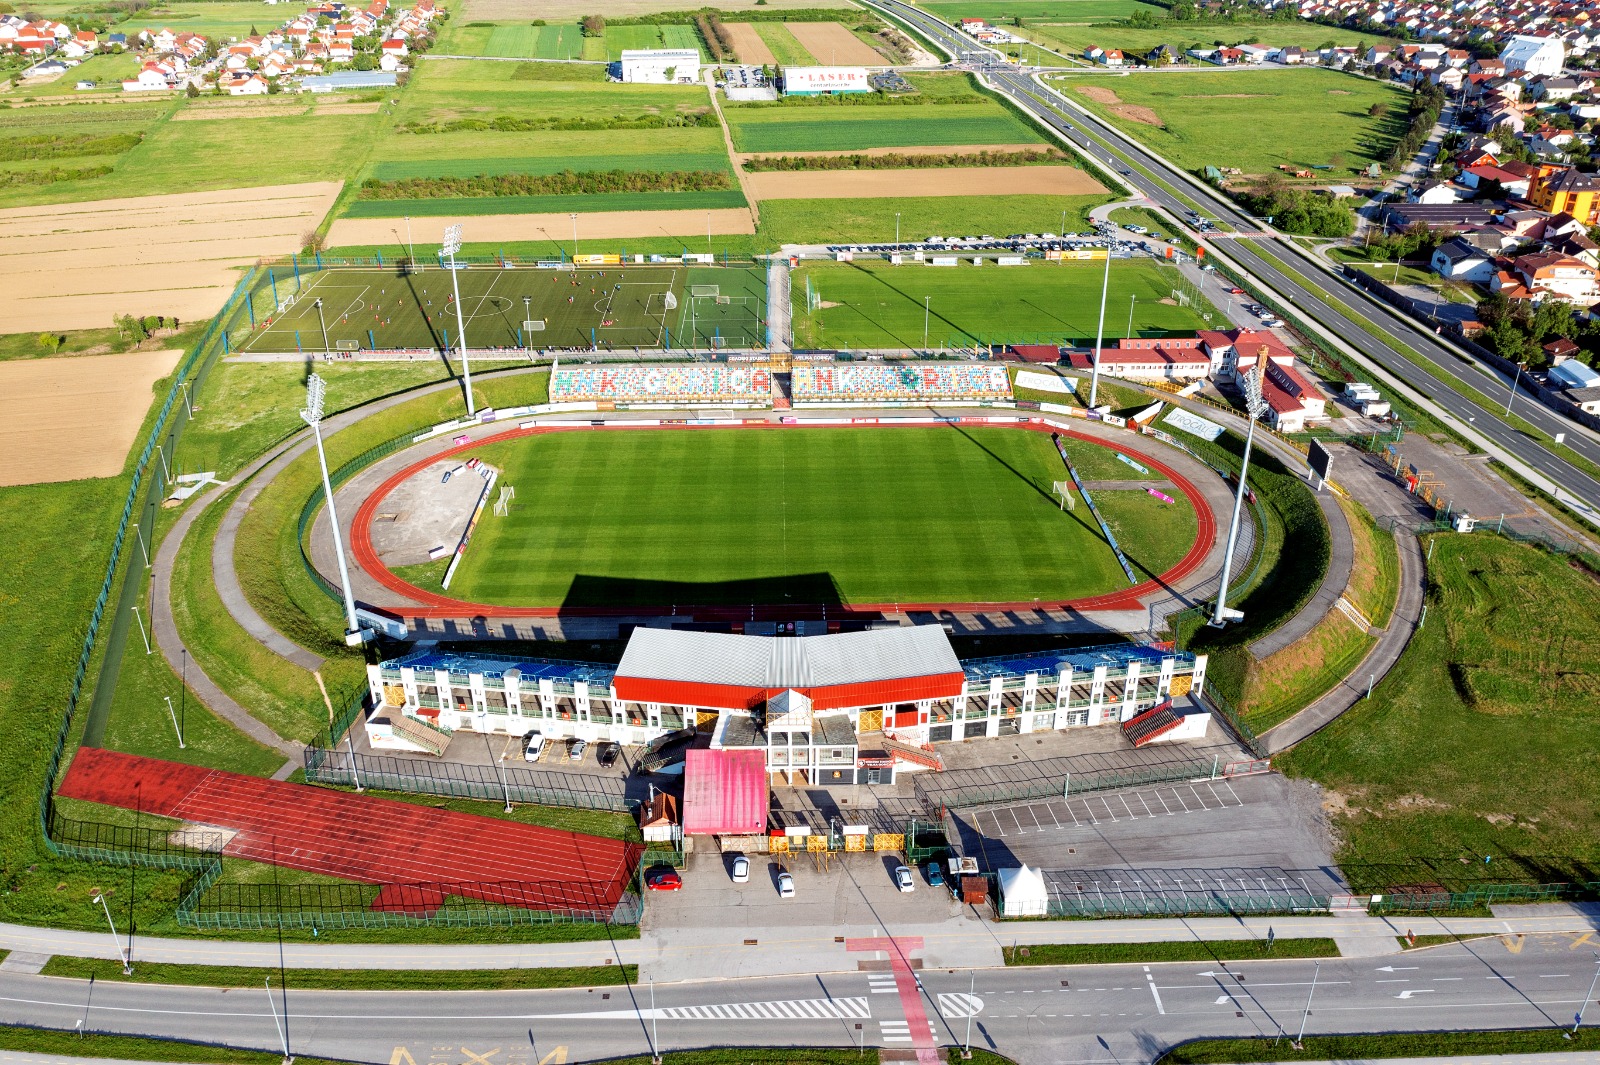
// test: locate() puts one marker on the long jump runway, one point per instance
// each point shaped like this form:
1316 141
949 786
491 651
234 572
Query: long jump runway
419 853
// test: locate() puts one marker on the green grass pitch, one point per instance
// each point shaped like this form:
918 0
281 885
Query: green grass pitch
619 307
708 517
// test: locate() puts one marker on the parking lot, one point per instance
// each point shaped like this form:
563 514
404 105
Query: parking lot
1167 800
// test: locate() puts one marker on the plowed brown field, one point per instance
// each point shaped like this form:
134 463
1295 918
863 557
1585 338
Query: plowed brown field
363 232
748 43
835 46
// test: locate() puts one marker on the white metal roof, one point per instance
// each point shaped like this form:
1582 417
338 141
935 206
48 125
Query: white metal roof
788 661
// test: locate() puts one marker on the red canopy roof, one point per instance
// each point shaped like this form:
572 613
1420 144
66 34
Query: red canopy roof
725 793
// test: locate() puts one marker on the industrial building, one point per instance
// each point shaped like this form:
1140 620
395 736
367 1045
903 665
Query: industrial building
845 708
824 81
659 66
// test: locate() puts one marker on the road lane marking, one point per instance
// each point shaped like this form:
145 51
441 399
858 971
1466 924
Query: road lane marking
1150 981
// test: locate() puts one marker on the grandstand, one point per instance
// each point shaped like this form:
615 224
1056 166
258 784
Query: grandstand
849 384
732 385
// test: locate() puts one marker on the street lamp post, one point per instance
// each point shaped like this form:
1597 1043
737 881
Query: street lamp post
527 320
927 305
1100 330
1578 1019
1131 303
142 635
1253 410
139 534
897 233
411 246
174 715
504 785
452 244
354 635
972 998
1300 1039
1515 380
127 963
574 239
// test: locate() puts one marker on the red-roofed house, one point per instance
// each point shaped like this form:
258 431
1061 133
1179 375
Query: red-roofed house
1137 359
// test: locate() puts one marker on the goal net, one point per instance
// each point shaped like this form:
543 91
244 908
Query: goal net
671 302
705 290
533 325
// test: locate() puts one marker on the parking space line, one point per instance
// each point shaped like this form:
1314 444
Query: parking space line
1052 808
1012 811
1125 806
1212 788
1197 798
1075 822
1235 794
1107 805
1033 811
1163 803
1000 833
1181 803
1148 812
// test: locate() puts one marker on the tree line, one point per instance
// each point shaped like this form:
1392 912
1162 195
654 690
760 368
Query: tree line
1304 211
57 146
1426 104
51 175
897 161
565 183
718 41
512 124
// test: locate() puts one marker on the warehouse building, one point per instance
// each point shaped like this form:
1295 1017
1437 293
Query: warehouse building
658 66
843 708
824 81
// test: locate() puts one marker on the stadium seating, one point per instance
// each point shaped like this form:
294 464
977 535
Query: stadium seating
900 383
662 384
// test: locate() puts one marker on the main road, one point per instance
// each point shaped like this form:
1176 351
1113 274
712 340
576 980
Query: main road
1338 307
1038 1015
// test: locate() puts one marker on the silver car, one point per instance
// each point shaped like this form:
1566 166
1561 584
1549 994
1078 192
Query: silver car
785 886
741 869
578 750
903 881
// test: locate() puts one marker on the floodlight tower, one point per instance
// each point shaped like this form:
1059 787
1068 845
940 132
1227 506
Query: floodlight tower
354 634
452 244
1106 233
1254 408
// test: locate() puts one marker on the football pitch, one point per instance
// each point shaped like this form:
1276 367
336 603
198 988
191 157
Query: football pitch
618 307
806 516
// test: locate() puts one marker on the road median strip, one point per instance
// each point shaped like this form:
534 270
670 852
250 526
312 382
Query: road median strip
348 979
1215 950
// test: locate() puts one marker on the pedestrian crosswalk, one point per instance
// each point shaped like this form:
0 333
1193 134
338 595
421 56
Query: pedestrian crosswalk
892 1031
789 1009
882 983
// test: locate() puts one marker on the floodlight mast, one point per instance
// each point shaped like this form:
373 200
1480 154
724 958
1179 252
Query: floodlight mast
1255 407
452 244
1106 231
316 390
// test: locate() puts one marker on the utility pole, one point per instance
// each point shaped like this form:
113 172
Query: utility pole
1300 1039
127 965
1254 408
410 245
354 635
574 240
327 350
897 233
926 308
506 787
140 622
1515 380
1100 330
452 244
972 1007
1577 1020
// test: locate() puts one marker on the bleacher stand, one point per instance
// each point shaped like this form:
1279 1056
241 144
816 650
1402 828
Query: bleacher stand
694 384
897 383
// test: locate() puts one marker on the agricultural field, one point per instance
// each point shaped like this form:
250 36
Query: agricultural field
1479 741
862 220
1073 39
798 129
563 40
872 305
786 49
210 18
612 306
797 515
1253 120
107 71
1001 12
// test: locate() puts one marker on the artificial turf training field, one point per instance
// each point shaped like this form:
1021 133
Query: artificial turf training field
609 306
716 517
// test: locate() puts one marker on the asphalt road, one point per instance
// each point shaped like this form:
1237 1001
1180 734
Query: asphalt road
1337 308
1038 1015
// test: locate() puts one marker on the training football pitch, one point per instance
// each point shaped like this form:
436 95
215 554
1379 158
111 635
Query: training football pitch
836 516
616 307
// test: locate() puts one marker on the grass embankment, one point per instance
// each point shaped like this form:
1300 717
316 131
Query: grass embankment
1479 740
347 979
135 1048
1206 950
1400 1045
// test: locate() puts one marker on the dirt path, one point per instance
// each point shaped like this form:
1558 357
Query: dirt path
68 419
727 146
948 181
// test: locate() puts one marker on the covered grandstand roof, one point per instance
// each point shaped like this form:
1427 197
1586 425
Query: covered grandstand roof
714 669
724 793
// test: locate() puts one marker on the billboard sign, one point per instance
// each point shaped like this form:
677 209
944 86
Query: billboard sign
1320 460
1204 428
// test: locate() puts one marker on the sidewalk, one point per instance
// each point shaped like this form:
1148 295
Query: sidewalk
704 953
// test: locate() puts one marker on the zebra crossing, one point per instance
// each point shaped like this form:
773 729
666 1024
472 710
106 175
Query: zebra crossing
803 1009
882 983
892 1031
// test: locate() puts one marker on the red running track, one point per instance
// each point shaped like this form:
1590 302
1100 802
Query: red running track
435 605
406 847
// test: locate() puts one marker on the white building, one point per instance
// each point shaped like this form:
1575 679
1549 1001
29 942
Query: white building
820 81
660 66
1533 56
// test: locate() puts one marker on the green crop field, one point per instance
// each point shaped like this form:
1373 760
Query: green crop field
801 516
536 42
1480 741
216 19
614 306
1257 119
876 305
397 171
580 202
785 47
1001 12
801 129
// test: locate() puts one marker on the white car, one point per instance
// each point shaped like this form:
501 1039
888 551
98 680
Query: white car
903 881
785 886
741 869
1136 229
533 746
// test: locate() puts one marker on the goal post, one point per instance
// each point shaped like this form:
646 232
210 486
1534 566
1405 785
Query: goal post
1063 489
670 302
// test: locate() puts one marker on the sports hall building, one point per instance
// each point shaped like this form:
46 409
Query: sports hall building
848 707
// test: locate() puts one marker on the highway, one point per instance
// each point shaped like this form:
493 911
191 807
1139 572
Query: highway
1338 307
1038 1015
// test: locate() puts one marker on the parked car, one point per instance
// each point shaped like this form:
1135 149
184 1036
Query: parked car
533 746
578 749
1236 291
741 869
663 880
785 886
903 881
1136 229
472 464
606 754
935 875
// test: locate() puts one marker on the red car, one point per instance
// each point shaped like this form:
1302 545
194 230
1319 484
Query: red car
663 880
1236 291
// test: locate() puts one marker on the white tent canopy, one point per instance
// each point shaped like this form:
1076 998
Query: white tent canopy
1024 893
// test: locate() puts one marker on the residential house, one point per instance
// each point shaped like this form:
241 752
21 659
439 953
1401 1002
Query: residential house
1163 55
1567 190
1531 56
1461 259
1551 274
1482 178
1436 192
